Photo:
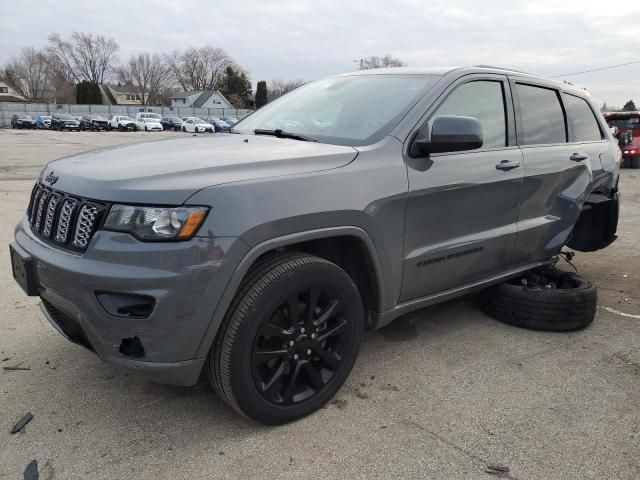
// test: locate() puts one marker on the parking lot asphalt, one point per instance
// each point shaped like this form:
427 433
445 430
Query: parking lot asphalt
439 394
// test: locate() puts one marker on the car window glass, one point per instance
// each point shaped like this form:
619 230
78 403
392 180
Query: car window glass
542 116
584 124
483 100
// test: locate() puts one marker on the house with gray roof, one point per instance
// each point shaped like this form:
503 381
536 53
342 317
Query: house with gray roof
200 99
122 94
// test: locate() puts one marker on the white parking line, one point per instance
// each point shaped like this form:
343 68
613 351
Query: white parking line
620 313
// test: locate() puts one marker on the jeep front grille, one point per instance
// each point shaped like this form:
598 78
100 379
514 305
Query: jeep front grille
60 218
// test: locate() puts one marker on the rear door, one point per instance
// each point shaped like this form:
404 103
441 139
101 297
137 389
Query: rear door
460 223
598 221
557 174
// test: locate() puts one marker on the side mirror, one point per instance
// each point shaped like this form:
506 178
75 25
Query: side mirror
451 134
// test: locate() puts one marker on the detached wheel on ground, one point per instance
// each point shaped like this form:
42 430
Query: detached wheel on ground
289 339
547 299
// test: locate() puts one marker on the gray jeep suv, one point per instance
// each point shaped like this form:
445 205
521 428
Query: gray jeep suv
261 255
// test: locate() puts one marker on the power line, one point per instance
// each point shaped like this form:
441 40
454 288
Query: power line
596 69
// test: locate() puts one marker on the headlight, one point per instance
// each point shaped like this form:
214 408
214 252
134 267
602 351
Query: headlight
156 223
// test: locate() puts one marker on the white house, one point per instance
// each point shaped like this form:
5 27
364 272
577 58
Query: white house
200 99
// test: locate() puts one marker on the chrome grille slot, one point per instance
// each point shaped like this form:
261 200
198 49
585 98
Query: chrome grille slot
34 204
51 211
85 225
65 219
69 221
42 202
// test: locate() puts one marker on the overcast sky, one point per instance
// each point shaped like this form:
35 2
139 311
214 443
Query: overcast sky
292 39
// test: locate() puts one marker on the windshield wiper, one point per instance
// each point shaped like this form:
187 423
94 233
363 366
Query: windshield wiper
282 134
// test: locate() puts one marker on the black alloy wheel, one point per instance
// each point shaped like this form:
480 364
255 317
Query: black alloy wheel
289 339
300 345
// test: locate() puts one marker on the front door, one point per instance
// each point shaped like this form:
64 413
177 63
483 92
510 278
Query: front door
460 223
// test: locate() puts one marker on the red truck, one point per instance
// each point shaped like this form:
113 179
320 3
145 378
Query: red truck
627 125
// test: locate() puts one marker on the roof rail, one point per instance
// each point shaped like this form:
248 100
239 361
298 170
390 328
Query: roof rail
502 68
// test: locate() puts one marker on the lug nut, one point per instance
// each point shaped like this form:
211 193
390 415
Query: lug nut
309 351
292 343
295 357
302 330
314 335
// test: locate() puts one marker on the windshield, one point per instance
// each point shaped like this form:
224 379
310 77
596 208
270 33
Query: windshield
624 121
152 116
64 116
126 119
353 110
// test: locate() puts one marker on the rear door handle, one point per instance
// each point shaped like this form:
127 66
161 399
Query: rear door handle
507 165
578 157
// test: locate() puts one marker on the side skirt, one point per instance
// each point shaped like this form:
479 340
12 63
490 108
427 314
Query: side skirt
384 318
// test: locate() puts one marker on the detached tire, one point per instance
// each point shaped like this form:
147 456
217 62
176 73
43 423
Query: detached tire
289 339
551 300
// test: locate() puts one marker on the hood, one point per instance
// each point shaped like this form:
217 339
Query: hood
170 171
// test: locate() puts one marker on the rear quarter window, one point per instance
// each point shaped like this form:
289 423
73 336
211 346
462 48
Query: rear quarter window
543 119
584 126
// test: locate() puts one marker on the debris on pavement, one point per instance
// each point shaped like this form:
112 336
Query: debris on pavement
31 472
16 368
496 469
22 422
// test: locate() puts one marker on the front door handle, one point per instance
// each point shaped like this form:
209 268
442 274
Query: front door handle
578 157
507 165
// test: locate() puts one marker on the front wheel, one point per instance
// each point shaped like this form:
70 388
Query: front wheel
289 339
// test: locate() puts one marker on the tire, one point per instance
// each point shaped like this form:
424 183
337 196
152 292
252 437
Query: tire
184 129
260 318
634 162
119 127
570 306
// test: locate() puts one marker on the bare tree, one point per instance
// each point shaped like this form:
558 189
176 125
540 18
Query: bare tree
279 87
380 62
198 68
30 73
85 56
150 73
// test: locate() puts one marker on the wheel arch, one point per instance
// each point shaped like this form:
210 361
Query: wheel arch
349 247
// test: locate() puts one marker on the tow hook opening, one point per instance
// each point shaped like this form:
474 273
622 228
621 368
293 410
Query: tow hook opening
132 347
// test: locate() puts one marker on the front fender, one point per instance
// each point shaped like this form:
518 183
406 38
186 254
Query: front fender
269 245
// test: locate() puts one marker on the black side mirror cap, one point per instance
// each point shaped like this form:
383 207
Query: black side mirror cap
451 133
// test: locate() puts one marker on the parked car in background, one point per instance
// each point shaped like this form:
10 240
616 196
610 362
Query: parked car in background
43 121
171 123
22 120
218 124
94 122
64 121
628 134
196 125
231 121
122 123
149 121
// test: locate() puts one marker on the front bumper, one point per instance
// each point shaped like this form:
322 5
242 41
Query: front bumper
186 279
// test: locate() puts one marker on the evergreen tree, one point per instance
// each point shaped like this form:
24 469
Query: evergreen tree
261 93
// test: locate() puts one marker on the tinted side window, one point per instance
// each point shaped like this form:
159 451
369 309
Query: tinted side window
584 124
483 100
542 116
